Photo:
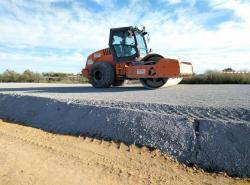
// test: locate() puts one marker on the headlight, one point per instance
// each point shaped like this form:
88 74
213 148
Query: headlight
89 62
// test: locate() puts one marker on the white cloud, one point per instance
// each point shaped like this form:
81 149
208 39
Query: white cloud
99 1
174 1
229 45
19 62
43 25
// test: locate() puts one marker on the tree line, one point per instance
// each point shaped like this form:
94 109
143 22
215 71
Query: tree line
226 76
30 76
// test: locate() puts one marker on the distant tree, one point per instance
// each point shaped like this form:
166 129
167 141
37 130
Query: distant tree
9 76
228 70
210 72
56 74
29 76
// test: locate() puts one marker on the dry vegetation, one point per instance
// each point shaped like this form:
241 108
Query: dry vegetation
210 77
213 77
30 76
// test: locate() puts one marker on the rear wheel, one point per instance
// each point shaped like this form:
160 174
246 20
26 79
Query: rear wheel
102 75
153 83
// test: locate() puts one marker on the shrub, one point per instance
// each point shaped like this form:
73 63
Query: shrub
210 77
218 78
9 76
29 76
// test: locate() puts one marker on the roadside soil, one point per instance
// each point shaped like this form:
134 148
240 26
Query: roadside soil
32 156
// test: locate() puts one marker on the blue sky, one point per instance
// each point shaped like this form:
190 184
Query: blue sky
58 35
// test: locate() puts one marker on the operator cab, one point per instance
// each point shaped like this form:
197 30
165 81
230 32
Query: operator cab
127 43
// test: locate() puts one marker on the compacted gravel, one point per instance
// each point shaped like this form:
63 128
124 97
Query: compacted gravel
193 95
204 125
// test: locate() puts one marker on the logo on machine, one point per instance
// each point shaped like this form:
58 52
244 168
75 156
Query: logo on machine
97 55
140 71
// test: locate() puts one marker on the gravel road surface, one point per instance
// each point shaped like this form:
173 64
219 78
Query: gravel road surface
205 125
237 96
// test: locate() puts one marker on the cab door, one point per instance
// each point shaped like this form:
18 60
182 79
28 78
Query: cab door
123 44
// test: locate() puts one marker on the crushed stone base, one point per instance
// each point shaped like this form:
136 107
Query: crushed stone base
214 139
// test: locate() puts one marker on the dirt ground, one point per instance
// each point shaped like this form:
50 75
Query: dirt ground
31 156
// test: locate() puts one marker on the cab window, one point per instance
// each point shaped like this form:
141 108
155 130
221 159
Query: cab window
141 43
124 44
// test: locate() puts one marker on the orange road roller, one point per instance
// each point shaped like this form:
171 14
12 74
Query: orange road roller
128 58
